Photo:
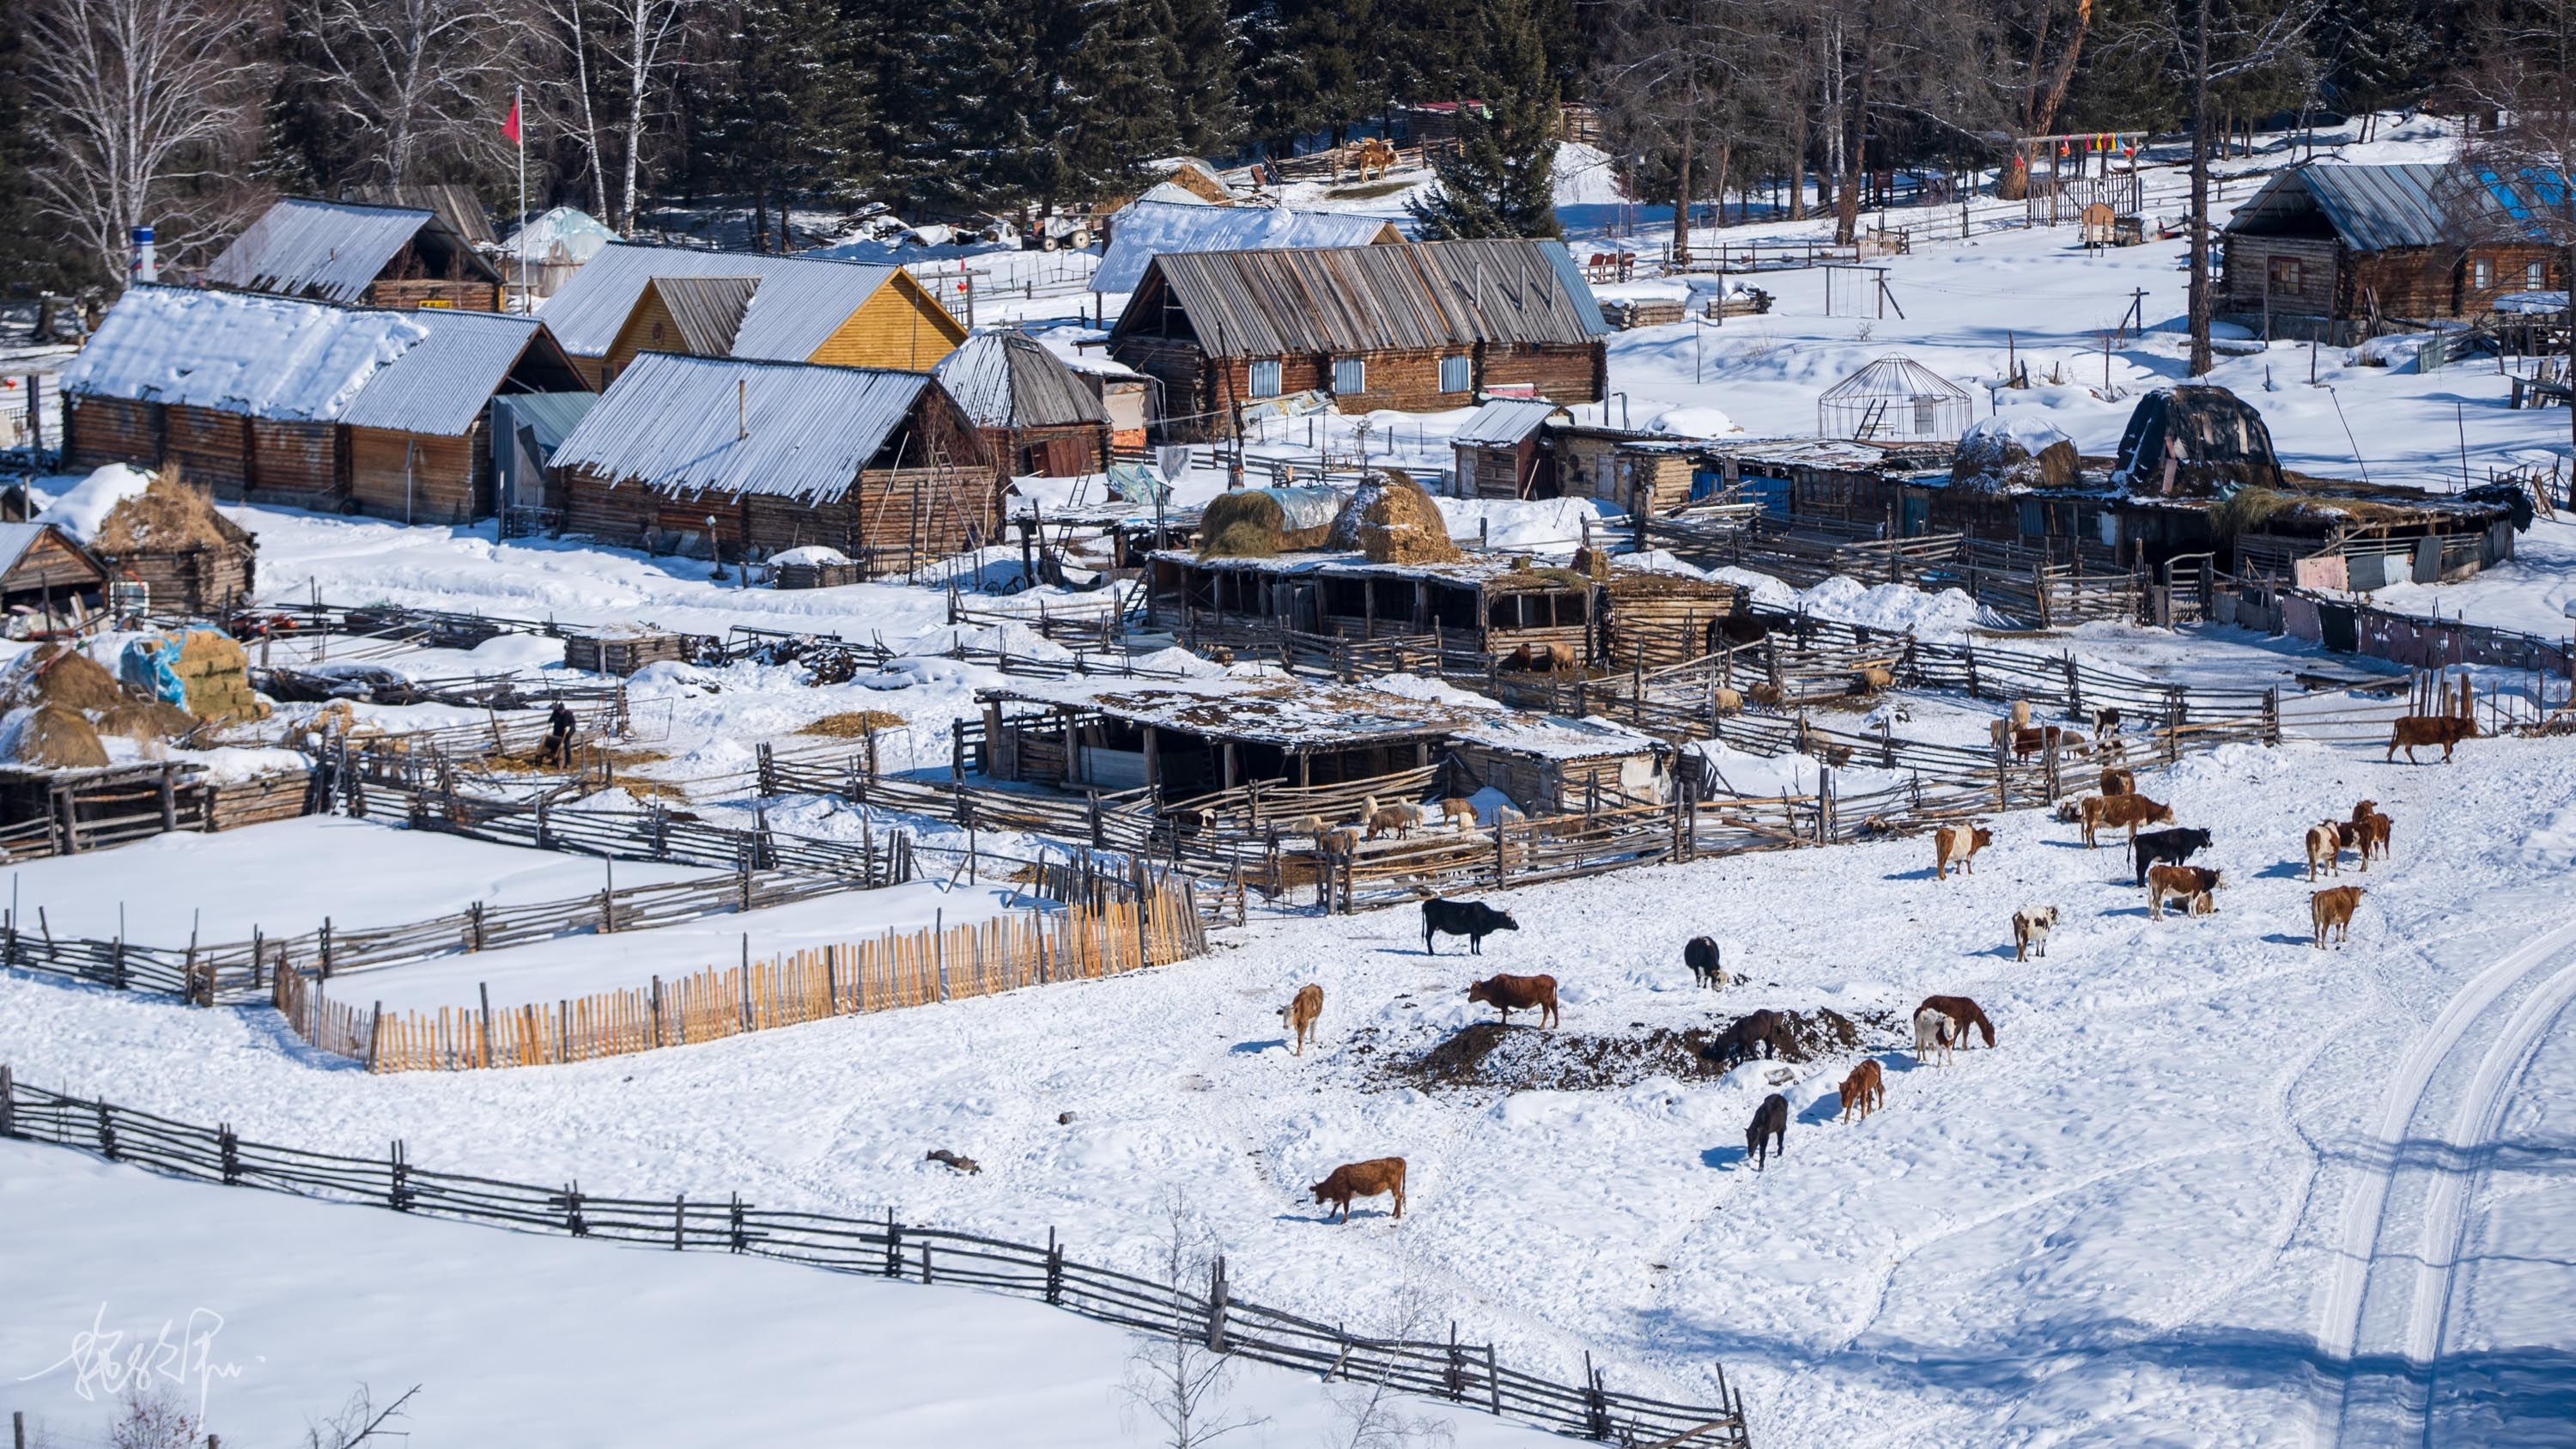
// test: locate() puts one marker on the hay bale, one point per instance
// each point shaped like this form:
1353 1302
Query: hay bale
146 719
2015 450
168 515
68 679
853 724
215 671
1593 563
1241 523
1392 520
51 737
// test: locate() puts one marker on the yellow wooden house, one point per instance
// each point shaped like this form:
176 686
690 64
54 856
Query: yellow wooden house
636 299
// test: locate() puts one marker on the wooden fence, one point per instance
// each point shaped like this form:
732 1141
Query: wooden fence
1467 1374
897 969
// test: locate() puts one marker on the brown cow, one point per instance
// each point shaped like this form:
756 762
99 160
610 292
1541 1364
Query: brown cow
1765 694
2191 884
1958 845
1361 1179
1963 1013
2373 828
1872 679
1865 1088
2116 810
2026 743
1397 819
2117 781
1341 844
2430 729
1541 658
2325 846
1458 812
1517 993
2331 910
1300 1013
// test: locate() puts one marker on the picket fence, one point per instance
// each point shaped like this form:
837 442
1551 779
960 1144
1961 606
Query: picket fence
897 969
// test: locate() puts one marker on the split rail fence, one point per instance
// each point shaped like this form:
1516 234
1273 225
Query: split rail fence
1470 1375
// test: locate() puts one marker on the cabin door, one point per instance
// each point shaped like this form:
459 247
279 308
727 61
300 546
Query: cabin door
1305 608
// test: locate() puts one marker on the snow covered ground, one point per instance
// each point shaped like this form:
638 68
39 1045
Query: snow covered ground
2141 1211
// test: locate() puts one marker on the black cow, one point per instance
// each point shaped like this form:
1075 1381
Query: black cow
1472 919
1701 956
2166 847
1769 1132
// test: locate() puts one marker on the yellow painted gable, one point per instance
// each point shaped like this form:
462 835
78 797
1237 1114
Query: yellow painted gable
900 325
649 328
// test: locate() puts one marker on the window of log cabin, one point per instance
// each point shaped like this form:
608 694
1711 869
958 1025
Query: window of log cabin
2535 276
1350 375
2283 274
1456 374
1266 380
2482 273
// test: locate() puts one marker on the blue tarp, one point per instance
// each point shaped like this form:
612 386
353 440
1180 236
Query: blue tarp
150 665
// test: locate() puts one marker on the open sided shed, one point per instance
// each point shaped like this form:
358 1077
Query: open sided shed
362 254
1192 736
734 457
1481 606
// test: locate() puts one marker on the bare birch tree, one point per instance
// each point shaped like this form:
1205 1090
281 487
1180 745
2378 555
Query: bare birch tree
651 35
146 110
564 27
1175 1377
412 77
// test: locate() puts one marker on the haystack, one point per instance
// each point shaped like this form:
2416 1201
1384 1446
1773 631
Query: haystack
1391 520
146 719
167 515
216 675
2015 450
63 678
1242 523
50 736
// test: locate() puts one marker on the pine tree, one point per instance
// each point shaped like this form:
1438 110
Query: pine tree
1500 182
2375 54
781 122
34 254
1201 80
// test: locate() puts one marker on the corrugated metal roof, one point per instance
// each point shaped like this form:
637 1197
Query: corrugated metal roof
266 357
1146 229
672 424
799 302
1408 297
1005 379
16 539
330 250
708 310
441 383
1505 421
455 203
2416 204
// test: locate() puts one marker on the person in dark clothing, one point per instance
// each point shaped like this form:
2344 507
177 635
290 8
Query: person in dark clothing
557 750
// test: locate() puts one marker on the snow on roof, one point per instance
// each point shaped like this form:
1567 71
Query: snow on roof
1693 422
1473 571
16 539
1505 421
2026 428
83 508
2532 303
1004 379
799 302
327 249
443 383
1149 227
1557 737
1176 194
268 357
682 425
1286 712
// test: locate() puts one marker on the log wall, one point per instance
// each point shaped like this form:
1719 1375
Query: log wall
103 430
422 477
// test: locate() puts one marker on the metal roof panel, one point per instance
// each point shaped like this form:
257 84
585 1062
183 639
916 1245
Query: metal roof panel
681 425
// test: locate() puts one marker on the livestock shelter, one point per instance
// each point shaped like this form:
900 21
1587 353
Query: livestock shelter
1475 611
47 577
632 299
1499 451
2335 253
1413 326
1143 230
306 403
1190 737
1636 472
1895 400
361 254
1037 415
737 459
1554 765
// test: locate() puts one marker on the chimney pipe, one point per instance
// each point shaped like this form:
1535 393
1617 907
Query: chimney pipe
741 408
142 265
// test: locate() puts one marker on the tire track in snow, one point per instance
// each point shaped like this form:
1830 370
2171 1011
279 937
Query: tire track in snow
2368 1213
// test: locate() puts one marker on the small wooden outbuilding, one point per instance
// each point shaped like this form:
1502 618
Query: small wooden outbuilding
44 570
1500 452
1480 609
1193 736
736 458
361 254
1552 765
420 434
1038 416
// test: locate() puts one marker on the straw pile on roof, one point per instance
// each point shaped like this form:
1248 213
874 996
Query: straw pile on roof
1241 523
853 724
2014 450
1391 520
167 515
1593 563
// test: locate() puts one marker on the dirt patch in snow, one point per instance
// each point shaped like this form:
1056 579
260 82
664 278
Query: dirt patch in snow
1527 1058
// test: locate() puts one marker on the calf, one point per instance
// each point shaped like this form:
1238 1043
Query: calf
1963 1014
2430 729
2070 812
2026 743
2031 926
1865 1088
2188 883
1932 1036
1300 1013
1765 1031
1508 994
1726 701
1361 1179
1458 813
2375 839
2331 911
2118 810
1769 1131
1872 679
2021 714
1472 919
2119 781
1341 843
1397 820
1958 845
2168 846
2325 847
1701 956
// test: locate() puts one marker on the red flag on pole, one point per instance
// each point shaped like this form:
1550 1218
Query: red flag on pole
510 127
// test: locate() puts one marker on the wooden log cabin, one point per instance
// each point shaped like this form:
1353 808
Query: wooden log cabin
733 458
359 254
1192 737
2336 253
1418 327
1038 416
1500 452
1478 611
419 436
48 577
630 300
1552 765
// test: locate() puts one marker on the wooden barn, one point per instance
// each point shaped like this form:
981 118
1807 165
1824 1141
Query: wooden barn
1416 326
1191 737
738 458
1038 416
2334 253
419 435
630 300
361 254
1500 451
1479 610
47 577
